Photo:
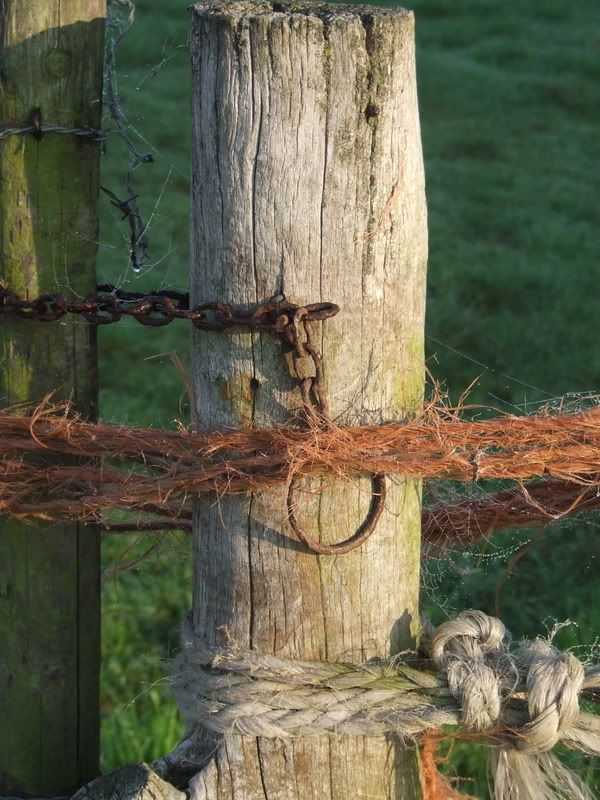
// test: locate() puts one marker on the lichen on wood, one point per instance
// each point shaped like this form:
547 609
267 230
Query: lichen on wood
49 576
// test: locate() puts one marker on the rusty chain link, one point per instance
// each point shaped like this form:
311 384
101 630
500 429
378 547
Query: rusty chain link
160 308
293 323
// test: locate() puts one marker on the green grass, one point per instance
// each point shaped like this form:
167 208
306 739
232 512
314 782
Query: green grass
510 112
142 611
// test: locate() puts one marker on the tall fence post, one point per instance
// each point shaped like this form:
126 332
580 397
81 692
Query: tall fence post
308 181
50 75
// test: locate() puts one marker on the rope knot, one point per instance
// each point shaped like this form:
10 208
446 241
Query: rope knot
468 650
472 651
553 680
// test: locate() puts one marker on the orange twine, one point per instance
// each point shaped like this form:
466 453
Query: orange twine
151 469
435 785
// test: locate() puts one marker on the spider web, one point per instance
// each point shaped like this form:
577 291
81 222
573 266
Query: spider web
514 572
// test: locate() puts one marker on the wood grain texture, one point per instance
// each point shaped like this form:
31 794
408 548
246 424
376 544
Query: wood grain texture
308 180
51 58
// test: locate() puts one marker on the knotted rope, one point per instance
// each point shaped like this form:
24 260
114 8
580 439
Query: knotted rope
523 702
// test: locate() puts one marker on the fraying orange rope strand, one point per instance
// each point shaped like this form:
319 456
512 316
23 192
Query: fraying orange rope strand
120 467
435 785
447 525
466 521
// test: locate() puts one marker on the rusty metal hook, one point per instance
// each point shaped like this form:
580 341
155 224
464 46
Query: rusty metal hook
361 534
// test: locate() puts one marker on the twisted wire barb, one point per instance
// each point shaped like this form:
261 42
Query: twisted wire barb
84 131
118 27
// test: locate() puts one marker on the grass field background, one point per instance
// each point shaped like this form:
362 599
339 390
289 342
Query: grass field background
510 113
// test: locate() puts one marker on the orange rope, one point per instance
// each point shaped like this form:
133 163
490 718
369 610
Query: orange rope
120 467
467 520
435 785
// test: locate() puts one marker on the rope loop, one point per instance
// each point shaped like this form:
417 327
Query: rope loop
554 681
467 651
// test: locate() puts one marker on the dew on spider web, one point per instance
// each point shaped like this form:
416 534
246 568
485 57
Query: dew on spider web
469 566
515 573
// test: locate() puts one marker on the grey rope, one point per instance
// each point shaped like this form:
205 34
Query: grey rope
523 701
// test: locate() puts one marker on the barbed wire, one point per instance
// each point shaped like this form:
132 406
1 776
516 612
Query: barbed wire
11 129
117 27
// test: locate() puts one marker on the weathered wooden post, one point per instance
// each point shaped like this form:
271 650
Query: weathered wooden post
308 180
51 60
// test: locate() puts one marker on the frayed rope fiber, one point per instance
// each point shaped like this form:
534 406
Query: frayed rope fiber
118 467
466 520
523 701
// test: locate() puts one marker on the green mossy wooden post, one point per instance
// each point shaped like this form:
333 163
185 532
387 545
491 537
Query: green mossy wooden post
51 58
308 179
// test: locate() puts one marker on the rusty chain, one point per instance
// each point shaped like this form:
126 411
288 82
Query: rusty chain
160 308
293 323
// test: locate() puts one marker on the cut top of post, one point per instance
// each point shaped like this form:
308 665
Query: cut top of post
322 11
308 182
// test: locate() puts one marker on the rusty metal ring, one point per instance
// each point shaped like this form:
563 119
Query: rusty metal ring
358 537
